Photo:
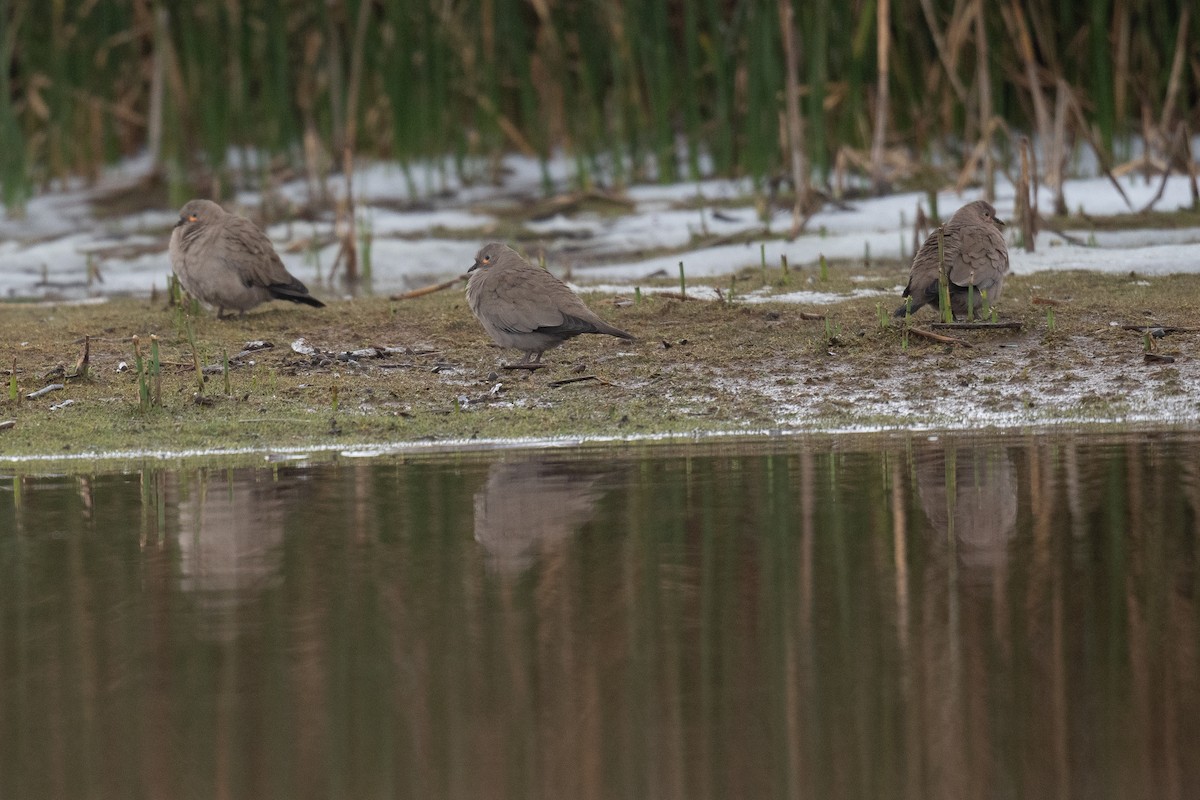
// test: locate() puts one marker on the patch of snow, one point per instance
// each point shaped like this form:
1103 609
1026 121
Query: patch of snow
44 254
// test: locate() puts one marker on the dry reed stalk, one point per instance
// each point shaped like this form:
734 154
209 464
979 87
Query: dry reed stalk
883 43
1121 29
354 87
948 59
1014 19
546 66
920 229
795 123
154 130
1178 153
344 223
1174 82
1026 211
1190 163
980 155
984 75
1057 159
1081 125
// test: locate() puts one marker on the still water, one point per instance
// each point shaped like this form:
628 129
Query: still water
898 618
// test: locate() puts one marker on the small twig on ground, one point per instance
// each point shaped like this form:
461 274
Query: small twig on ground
579 379
424 290
54 387
937 337
977 326
534 366
811 317
1164 328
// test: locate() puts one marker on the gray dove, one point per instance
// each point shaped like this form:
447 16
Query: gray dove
523 306
975 256
225 261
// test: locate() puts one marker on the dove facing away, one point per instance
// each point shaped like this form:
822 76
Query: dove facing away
225 261
976 261
523 306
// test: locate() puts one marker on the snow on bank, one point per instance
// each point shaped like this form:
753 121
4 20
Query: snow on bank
62 249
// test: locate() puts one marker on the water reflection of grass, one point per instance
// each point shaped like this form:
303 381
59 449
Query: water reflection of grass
826 617
636 89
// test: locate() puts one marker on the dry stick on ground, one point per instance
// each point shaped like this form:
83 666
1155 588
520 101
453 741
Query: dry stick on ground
571 201
424 290
53 387
1163 328
675 296
937 337
978 326
581 378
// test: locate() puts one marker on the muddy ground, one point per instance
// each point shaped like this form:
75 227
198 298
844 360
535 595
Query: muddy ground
384 371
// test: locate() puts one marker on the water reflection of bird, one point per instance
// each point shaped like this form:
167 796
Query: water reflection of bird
231 530
528 507
976 260
975 489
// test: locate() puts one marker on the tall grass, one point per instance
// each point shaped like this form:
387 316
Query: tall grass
642 88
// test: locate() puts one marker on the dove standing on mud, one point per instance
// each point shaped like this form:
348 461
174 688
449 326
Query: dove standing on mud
976 262
523 306
225 261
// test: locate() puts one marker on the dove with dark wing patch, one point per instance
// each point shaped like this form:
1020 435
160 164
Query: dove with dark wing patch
225 261
976 261
525 307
